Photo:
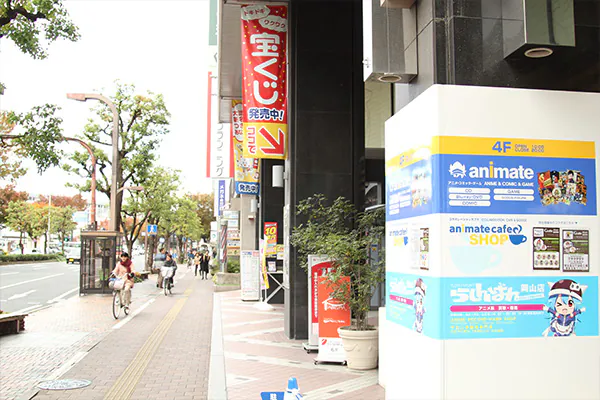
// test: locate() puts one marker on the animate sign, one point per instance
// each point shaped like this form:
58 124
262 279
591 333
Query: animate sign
264 41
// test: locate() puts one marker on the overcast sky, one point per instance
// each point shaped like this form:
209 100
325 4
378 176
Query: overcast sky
160 46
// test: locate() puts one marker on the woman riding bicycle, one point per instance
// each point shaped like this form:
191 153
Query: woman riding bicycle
124 270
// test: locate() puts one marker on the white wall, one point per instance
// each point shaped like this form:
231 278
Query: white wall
531 368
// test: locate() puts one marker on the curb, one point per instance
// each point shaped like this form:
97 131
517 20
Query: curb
217 381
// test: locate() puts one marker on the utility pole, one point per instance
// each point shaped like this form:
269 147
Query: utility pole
49 211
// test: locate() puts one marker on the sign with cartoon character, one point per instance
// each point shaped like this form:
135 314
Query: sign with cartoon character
246 170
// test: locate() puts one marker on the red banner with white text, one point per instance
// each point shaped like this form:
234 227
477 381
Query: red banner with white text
264 78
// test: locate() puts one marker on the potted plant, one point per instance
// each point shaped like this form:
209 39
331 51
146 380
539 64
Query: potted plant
344 234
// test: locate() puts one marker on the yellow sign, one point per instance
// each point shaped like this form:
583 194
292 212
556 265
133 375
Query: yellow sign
265 140
247 170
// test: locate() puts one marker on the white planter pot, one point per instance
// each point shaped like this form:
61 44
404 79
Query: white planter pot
361 347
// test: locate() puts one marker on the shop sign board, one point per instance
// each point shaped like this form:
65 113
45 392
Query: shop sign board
332 315
246 169
264 78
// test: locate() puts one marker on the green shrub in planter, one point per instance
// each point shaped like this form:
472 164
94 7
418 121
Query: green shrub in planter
233 266
7 258
344 234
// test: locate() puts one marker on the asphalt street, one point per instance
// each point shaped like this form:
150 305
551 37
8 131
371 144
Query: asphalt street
29 287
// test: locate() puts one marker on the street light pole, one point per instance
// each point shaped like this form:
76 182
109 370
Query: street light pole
114 213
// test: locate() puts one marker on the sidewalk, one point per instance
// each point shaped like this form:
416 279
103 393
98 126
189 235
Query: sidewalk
56 337
258 357
163 353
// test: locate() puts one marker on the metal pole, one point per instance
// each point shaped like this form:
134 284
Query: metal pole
114 212
49 209
93 183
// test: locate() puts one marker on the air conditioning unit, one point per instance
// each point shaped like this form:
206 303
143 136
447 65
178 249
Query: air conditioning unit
373 194
389 43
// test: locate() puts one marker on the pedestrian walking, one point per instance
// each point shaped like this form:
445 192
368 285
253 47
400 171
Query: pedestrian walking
204 265
197 260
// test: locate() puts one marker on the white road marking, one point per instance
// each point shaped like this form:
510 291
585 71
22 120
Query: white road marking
31 280
57 298
31 309
21 295
130 316
8 273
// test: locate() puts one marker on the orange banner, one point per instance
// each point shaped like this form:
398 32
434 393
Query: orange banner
332 313
264 77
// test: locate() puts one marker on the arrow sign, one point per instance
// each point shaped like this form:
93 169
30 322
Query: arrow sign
20 295
277 145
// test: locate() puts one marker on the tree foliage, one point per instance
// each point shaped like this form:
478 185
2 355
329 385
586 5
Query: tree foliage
143 120
76 202
8 194
32 24
27 219
39 134
61 222
345 235
10 161
205 211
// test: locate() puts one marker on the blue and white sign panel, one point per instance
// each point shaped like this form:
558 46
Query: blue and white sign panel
247 188
221 196
152 229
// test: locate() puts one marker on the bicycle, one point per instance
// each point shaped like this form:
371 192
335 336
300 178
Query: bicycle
117 301
167 273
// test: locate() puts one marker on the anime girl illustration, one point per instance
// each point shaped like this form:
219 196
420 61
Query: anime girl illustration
563 303
420 290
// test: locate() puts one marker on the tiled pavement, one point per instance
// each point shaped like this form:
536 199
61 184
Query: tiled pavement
162 354
258 357
56 337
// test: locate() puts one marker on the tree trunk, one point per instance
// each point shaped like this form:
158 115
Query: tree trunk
62 242
149 252
180 249
46 243
21 242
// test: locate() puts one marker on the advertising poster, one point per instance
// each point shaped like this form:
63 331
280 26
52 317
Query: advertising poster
424 248
246 170
264 57
318 266
546 248
250 274
576 250
409 184
516 176
221 196
332 315
414 303
494 307
270 233
520 307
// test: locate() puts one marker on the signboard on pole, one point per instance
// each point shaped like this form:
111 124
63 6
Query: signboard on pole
152 229
318 266
270 233
333 314
250 274
246 170
264 73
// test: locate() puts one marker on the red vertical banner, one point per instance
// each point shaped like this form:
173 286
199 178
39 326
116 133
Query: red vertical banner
264 79
332 315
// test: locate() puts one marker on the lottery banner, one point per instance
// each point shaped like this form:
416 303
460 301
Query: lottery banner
246 170
493 176
264 76
270 233
332 315
494 307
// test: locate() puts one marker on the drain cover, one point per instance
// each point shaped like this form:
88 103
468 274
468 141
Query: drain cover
64 384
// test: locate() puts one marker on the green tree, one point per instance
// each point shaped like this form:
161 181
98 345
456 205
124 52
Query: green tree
184 223
205 211
16 219
143 119
27 219
10 163
32 24
61 223
39 134
8 194
149 207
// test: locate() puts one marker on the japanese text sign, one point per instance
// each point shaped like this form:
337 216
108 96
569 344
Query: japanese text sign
246 170
270 232
264 41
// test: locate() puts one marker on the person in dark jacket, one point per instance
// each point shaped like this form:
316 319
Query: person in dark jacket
170 262
204 265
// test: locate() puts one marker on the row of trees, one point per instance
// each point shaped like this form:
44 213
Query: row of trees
143 121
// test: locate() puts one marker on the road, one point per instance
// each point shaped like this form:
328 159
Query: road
28 287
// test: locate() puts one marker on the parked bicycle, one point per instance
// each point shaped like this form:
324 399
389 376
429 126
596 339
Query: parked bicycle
117 284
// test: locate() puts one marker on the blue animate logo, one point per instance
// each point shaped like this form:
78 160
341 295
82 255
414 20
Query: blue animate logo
458 170
484 235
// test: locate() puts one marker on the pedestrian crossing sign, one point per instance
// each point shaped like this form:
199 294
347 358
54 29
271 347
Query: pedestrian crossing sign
152 229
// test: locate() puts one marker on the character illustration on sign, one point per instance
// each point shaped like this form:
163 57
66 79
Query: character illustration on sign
562 187
564 299
420 289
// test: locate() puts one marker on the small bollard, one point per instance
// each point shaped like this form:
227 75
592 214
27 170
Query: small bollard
291 393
